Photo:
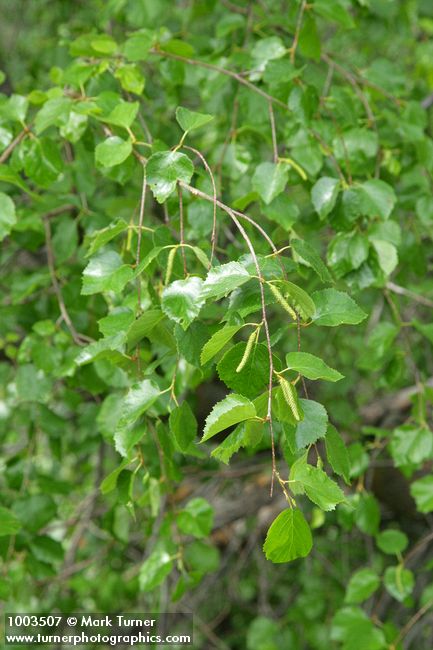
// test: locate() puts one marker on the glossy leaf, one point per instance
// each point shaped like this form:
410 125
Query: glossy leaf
7 215
182 300
105 272
317 485
362 585
336 308
217 342
164 169
231 410
269 180
311 367
314 424
189 120
288 538
324 195
113 151
221 280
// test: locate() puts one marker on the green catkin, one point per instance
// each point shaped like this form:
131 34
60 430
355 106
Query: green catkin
289 394
283 302
250 343
170 262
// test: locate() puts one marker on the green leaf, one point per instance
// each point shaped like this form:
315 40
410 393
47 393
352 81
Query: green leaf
189 120
355 630
164 169
317 485
337 454
392 541
131 79
387 255
117 321
231 410
254 376
54 111
217 341
234 441
288 538
9 523
367 514
336 308
182 300
378 198
138 400
269 180
399 582
308 255
298 298
109 483
314 424
201 558
196 518
104 44
100 238
106 272
411 444
123 114
183 426
362 585
311 367
221 280
143 326
101 349
422 492
324 195
155 569
7 215
35 511
334 10
113 151
137 46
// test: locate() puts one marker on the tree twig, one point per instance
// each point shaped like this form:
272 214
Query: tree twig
182 229
140 229
214 222
79 339
402 291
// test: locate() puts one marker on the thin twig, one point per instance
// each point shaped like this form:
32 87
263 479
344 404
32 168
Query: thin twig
402 291
79 339
297 31
15 142
274 132
268 339
182 229
140 230
411 622
214 222
224 71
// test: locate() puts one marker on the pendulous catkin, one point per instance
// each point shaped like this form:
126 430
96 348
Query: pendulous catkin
250 343
170 262
289 394
282 301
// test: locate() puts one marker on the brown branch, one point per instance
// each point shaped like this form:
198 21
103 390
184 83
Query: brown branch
15 142
409 625
402 291
224 71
